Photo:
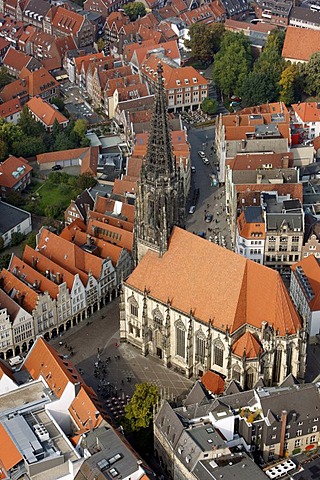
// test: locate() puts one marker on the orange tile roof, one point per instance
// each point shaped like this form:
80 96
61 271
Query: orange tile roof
252 161
78 61
311 269
67 21
84 412
16 59
18 88
120 187
130 48
213 382
9 454
294 189
87 156
112 220
106 204
41 263
116 235
45 112
26 273
171 75
247 344
68 255
249 230
43 360
19 166
258 293
300 43
39 81
12 284
307 111
10 107
134 166
78 237
236 25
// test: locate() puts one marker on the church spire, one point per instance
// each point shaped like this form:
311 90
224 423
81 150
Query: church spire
159 158
160 198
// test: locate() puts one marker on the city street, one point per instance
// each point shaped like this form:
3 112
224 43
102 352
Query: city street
211 199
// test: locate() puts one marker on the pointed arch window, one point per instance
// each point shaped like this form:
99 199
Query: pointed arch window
277 365
249 379
218 351
180 339
200 345
236 373
134 307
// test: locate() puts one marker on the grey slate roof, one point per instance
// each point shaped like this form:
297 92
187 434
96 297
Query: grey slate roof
239 467
305 14
197 394
287 175
10 217
253 215
233 7
85 198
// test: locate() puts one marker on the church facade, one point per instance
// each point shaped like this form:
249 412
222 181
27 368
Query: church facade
193 304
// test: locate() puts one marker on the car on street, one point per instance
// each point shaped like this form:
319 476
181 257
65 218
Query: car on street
56 167
193 169
202 234
201 154
192 209
208 217
205 161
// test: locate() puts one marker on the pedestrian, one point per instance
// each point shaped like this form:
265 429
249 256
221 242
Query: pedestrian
122 382
116 344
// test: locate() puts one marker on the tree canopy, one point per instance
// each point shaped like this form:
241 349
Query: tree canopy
312 74
205 41
232 63
135 10
139 412
210 106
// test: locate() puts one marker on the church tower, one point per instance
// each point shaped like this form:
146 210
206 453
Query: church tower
160 201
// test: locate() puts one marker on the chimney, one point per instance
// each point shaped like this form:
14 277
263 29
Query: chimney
58 278
237 120
285 161
283 421
243 144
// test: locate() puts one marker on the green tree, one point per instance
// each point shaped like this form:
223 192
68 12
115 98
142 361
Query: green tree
31 240
84 181
312 75
28 125
10 133
205 41
53 211
15 198
232 63
80 127
1 243
4 260
210 106
135 10
16 238
56 128
4 152
58 102
29 146
100 44
291 84
139 412
62 142
258 88
5 78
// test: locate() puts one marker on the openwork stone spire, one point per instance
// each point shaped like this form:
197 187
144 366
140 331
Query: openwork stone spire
160 197
159 158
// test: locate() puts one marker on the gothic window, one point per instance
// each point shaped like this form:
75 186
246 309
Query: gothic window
134 306
151 212
236 373
277 365
218 350
180 339
200 346
157 317
289 358
249 379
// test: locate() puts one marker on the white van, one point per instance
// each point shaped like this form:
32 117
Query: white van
14 361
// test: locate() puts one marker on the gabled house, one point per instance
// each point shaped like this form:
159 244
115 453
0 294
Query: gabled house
14 61
11 110
300 44
67 22
78 208
15 174
13 220
46 114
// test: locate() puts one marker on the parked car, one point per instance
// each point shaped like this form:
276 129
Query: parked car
209 217
205 161
192 209
193 169
201 154
202 234
56 167
234 98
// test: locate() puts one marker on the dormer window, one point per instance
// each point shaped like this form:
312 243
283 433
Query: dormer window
178 82
186 81
195 80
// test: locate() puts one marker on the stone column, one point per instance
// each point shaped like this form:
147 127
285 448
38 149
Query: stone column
123 323
167 337
144 324
190 348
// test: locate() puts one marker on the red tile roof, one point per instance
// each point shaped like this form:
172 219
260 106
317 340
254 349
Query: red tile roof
307 111
39 81
106 204
258 293
84 412
16 59
213 382
249 230
87 157
247 344
12 170
293 189
45 112
300 43
43 360
18 290
311 269
9 453
108 232
67 21
10 107
253 161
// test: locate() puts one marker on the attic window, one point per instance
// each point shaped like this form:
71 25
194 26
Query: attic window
209 430
186 81
195 80
114 472
178 82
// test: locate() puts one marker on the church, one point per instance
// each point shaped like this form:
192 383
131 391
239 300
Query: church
193 304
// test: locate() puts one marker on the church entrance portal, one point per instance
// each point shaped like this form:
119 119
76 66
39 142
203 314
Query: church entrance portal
159 353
